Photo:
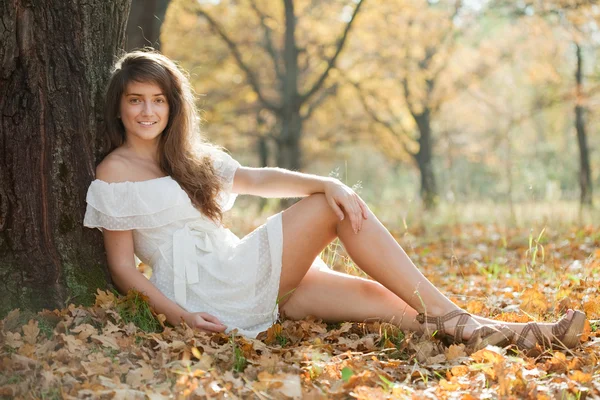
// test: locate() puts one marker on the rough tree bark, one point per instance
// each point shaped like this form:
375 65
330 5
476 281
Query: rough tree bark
145 19
55 60
585 175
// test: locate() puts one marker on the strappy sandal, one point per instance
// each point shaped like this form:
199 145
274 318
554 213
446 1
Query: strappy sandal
481 337
565 333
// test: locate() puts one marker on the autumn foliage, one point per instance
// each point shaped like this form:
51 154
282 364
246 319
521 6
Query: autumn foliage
101 352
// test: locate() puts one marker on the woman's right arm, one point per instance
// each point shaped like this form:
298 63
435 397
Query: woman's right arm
119 252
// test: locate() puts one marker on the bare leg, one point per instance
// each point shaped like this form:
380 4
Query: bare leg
335 297
309 226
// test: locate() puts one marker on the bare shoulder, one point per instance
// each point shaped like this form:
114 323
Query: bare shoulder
114 168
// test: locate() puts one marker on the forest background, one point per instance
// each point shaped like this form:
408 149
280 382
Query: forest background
469 127
479 110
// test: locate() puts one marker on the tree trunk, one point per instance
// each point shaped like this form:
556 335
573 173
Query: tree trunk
55 62
289 153
585 176
143 25
424 159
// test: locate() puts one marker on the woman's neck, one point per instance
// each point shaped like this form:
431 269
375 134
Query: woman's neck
143 150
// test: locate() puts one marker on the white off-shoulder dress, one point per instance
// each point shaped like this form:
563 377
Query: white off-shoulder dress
197 263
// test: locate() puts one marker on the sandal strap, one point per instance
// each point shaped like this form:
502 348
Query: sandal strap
440 321
567 332
460 327
523 336
561 327
537 333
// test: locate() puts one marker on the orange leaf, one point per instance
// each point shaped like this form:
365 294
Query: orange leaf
587 330
592 307
580 376
455 351
534 302
104 299
444 384
488 356
459 370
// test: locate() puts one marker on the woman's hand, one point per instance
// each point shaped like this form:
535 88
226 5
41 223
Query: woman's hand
342 198
204 322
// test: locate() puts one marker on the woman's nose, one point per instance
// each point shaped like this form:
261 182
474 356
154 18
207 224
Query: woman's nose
147 109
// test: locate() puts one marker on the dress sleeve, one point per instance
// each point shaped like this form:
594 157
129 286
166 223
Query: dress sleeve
135 205
225 167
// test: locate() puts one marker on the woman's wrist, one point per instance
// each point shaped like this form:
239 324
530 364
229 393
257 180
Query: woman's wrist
330 182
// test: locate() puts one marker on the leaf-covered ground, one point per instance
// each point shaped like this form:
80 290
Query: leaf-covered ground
118 350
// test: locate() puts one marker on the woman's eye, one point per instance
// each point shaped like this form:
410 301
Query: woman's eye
160 100
134 101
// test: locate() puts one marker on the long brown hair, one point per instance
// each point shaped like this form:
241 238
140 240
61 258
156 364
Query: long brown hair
182 154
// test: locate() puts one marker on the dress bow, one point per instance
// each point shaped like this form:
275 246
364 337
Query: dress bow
196 235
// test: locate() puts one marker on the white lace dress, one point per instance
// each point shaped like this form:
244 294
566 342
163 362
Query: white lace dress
199 264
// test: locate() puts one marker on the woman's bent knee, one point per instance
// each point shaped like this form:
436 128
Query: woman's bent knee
318 205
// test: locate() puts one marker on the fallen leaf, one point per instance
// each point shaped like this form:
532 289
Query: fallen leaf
106 341
488 356
444 384
84 331
31 331
533 301
580 377
286 384
592 307
137 376
104 299
455 351
459 370
13 340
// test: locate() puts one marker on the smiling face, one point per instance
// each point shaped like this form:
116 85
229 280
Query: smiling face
144 111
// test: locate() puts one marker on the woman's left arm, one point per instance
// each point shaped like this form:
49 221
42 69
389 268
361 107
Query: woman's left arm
277 182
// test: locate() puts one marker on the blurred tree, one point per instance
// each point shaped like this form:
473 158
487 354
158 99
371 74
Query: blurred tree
411 74
578 19
585 174
265 66
144 23
56 59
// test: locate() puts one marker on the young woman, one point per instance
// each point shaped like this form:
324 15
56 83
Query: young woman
160 194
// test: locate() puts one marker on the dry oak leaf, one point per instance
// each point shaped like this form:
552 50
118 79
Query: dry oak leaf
137 376
110 328
104 299
459 370
455 351
106 341
476 307
592 307
286 384
96 367
73 344
487 355
27 350
580 377
451 386
13 340
31 331
84 331
534 302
